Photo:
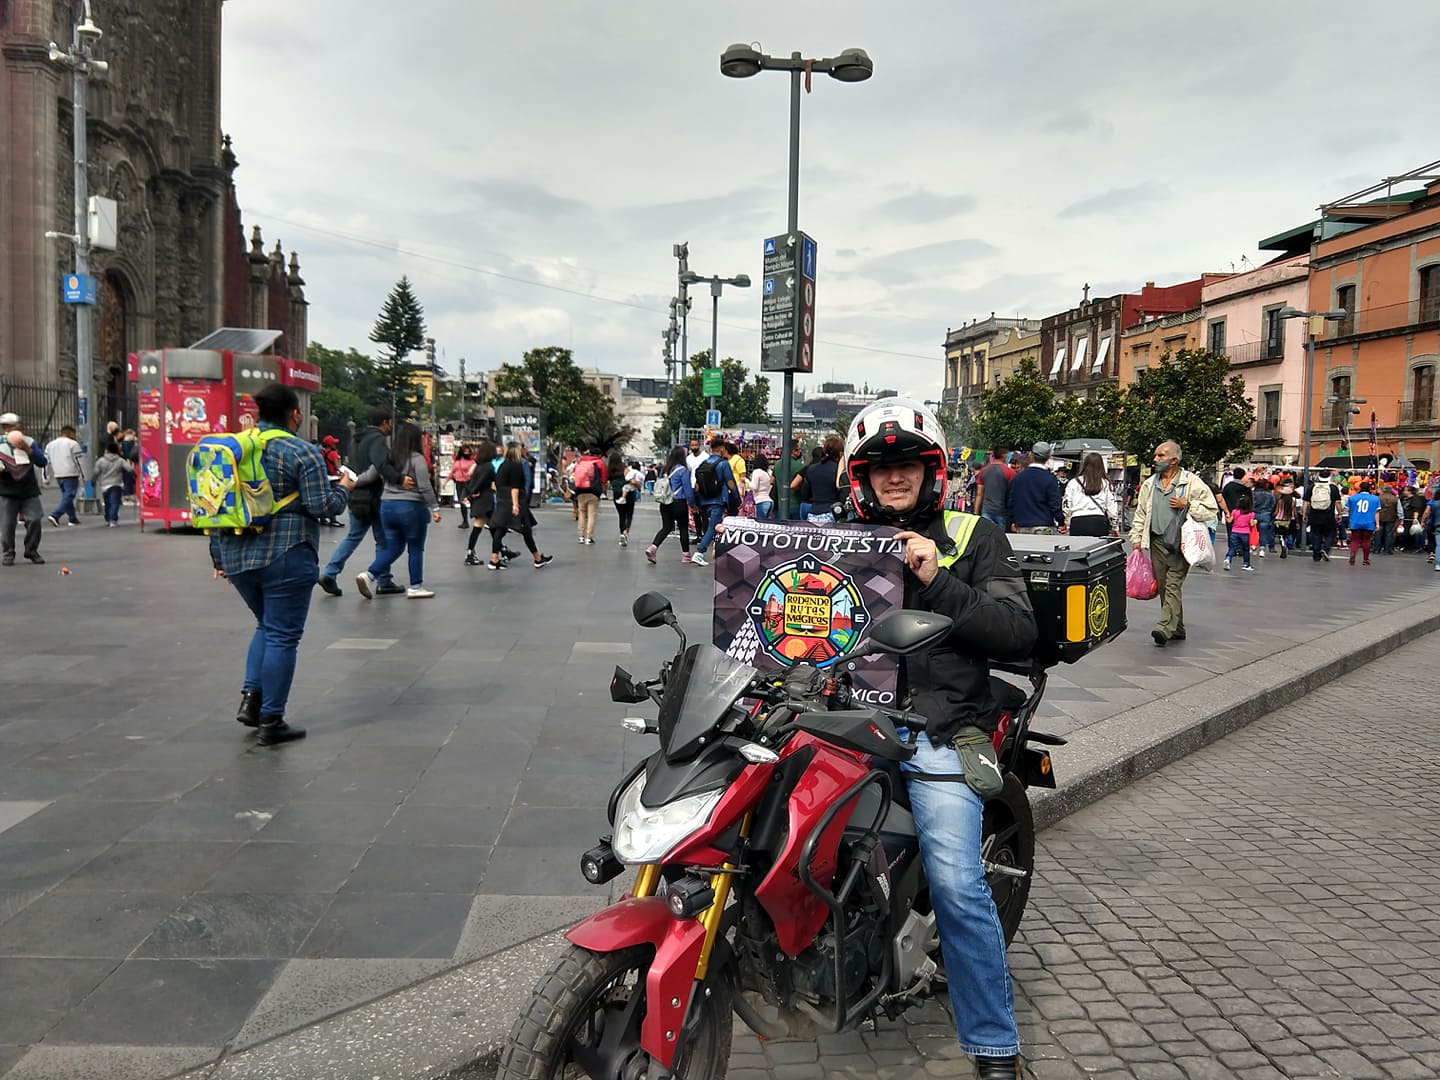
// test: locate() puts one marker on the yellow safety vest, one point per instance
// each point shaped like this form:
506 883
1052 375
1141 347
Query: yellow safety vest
959 527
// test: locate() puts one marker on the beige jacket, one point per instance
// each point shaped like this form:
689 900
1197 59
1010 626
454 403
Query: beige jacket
1203 507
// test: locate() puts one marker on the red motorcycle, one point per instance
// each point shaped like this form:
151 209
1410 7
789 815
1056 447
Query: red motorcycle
779 875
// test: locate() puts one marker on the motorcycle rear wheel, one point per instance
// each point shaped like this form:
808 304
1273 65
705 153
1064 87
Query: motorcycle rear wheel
1009 821
567 1017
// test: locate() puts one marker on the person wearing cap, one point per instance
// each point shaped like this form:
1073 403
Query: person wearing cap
330 448
20 457
1034 502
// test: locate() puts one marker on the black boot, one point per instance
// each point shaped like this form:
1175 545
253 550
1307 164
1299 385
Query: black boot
274 729
997 1068
249 713
509 554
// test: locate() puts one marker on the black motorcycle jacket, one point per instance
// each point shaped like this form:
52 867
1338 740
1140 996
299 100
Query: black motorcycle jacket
980 588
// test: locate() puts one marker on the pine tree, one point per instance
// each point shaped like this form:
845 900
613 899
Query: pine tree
401 330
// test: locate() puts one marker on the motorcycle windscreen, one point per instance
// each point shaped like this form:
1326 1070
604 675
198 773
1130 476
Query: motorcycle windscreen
703 686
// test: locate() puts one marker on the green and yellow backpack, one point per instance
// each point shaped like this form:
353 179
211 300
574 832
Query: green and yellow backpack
228 485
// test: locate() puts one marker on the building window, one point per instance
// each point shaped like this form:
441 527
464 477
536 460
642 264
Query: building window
1217 337
1270 414
952 373
1429 293
1345 298
1274 333
1422 396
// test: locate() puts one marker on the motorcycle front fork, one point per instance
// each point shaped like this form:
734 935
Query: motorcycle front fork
647 883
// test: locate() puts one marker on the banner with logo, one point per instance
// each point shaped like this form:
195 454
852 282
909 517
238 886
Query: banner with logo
789 591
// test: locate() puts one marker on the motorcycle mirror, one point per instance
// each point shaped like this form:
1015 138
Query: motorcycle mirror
651 610
903 632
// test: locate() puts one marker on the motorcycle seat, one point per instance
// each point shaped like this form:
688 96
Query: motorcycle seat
898 820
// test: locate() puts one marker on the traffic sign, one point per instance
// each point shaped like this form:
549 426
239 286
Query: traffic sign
712 382
787 305
78 288
712 418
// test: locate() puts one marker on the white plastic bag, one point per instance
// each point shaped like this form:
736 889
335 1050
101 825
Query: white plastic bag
1196 545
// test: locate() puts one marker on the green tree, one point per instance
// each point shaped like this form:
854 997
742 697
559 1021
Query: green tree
958 423
401 330
1096 416
549 379
349 381
742 401
1018 412
1192 398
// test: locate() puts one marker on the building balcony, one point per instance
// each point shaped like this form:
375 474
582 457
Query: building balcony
1386 319
1265 430
950 395
1413 412
1255 352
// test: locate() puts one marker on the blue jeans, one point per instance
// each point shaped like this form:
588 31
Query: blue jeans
405 523
948 818
358 528
712 513
999 519
1267 531
69 485
279 595
112 502
1239 545
764 509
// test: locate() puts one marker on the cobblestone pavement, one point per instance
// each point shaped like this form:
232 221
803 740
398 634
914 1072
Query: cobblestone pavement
1266 909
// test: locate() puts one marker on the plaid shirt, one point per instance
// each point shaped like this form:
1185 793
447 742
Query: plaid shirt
292 465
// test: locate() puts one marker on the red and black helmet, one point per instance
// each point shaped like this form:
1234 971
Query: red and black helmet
893 430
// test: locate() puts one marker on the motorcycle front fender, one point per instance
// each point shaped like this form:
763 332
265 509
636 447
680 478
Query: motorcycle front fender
670 980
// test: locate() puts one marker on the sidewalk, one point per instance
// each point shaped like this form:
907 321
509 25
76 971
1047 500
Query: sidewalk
170 893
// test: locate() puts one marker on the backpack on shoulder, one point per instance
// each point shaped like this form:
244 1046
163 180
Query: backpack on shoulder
707 479
1320 497
587 477
228 485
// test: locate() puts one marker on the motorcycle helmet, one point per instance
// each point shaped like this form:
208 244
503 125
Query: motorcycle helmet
891 430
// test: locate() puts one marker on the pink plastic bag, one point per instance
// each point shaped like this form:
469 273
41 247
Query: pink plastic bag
1140 583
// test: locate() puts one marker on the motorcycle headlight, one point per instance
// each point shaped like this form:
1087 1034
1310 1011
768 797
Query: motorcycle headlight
643 835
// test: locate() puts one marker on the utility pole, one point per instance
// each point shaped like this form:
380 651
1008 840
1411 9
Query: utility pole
82 64
682 252
463 388
434 379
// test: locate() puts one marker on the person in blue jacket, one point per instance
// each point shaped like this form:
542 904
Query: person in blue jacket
1034 501
712 506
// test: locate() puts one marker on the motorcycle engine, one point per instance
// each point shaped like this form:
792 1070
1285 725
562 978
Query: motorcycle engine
813 971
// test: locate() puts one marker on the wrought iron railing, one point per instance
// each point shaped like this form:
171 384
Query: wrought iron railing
1385 317
1420 410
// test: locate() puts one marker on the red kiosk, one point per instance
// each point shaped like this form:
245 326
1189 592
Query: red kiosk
186 394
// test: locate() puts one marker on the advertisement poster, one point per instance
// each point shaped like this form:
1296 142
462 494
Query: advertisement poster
524 425
194 410
787 592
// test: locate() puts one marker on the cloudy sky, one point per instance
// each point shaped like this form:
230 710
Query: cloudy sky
529 165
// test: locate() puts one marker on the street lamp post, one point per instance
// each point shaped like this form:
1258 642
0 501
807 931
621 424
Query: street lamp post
717 284
82 64
741 62
1309 377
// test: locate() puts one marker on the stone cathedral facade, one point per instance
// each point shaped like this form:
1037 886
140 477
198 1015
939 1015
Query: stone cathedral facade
183 266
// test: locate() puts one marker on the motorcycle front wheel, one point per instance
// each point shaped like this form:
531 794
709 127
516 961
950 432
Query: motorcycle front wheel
1007 842
583 1020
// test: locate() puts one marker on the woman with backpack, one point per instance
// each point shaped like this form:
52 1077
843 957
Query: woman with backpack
405 516
1089 505
676 498
512 511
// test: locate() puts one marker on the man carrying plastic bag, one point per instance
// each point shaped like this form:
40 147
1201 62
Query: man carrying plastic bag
1168 499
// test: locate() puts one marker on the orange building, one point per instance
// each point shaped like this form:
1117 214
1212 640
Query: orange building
1145 343
1379 259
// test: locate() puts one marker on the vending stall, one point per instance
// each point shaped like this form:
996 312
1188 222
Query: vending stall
186 394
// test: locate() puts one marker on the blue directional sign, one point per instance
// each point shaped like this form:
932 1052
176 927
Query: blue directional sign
712 418
78 288
770 246
807 257
769 286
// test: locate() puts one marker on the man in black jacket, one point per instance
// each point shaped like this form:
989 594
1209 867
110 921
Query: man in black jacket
371 449
960 566
20 461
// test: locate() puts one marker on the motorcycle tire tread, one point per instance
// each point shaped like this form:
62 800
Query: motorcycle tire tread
534 1038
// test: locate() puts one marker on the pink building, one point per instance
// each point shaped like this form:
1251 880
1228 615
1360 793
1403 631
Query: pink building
1241 314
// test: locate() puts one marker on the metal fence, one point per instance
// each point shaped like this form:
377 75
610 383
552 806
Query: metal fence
44 408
